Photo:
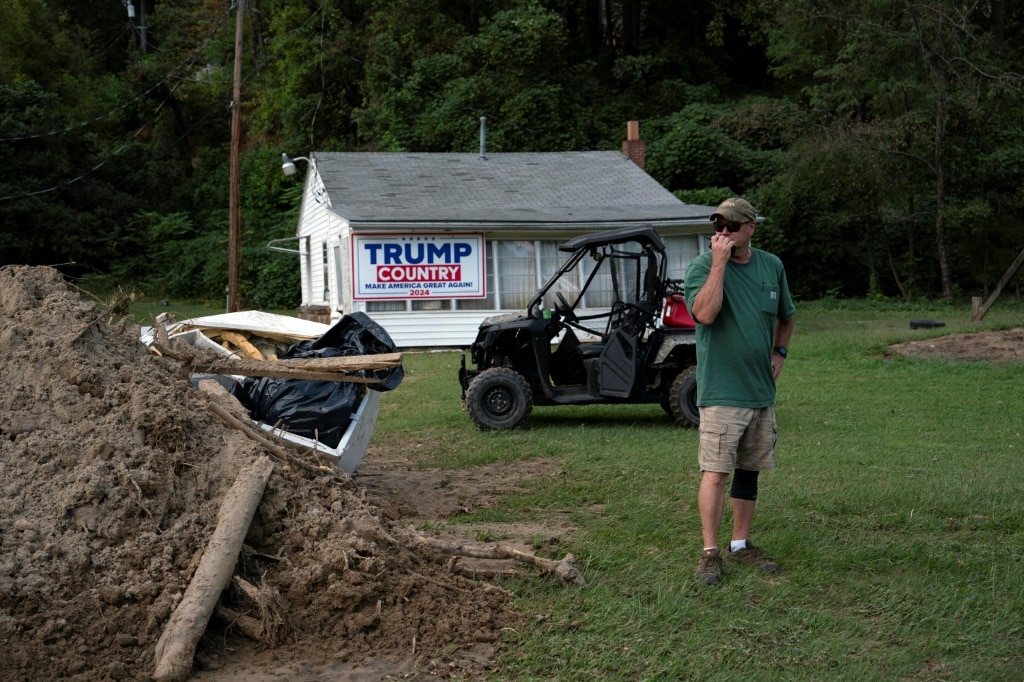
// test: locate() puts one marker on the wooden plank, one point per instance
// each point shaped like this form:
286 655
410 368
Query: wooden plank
316 369
1007 276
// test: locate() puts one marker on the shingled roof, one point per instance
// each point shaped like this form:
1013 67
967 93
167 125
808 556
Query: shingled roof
562 189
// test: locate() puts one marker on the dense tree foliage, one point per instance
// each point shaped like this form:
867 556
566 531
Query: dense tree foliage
884 139
922 95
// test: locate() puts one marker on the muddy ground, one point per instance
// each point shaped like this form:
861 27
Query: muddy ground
112 470
986 346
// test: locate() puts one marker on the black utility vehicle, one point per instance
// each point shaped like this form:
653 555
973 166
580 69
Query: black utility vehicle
635 344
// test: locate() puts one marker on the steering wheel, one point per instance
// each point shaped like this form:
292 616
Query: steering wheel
565 310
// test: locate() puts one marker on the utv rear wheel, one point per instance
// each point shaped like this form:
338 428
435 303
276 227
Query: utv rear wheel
498 398
683 398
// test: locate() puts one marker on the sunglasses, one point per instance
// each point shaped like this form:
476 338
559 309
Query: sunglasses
732 226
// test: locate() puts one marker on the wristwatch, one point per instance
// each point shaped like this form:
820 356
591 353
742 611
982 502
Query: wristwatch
782 350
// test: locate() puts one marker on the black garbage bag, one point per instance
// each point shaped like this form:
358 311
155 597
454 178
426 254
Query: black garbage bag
322 409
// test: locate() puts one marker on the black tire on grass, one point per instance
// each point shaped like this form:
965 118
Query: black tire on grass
498 398
683 398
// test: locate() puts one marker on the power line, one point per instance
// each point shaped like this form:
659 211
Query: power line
312 122
163 81
61 131
123 106
184 64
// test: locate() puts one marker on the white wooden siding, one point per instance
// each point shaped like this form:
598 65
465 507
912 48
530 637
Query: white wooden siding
314 223
447 329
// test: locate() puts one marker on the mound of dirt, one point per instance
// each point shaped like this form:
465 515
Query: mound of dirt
112 470
988 346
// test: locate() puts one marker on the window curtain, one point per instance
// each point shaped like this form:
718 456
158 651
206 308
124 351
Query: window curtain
517 270
681 251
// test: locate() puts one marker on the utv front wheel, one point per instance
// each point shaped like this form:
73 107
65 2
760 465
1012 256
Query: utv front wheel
683 398
498 398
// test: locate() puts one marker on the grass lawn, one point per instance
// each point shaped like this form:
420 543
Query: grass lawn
895 512
145 311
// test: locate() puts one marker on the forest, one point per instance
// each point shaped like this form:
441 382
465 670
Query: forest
882 139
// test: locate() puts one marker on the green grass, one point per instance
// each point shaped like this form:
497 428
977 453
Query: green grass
895 512
145 310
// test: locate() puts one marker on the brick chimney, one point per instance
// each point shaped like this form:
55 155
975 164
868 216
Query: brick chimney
633 147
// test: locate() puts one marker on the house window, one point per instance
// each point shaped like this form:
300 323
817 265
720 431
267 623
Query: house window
386 306
680 252
436 304
550 260
326 269
338 270
486 303
517 269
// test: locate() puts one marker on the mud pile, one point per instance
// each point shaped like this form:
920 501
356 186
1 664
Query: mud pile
112 469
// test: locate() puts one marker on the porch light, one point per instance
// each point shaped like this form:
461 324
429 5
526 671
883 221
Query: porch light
288 164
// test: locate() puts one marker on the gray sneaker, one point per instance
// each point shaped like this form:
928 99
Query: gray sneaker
710 567
754 556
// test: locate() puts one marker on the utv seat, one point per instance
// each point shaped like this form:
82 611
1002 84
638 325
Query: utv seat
591 350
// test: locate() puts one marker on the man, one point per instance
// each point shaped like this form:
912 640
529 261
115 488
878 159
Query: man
740 299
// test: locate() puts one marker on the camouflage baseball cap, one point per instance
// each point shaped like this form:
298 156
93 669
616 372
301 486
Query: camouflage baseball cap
735 210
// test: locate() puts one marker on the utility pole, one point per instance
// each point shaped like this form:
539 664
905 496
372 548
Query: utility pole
138 33
131 22
142 25
234 206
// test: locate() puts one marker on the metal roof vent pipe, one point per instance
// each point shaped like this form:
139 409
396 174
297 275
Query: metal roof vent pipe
483 137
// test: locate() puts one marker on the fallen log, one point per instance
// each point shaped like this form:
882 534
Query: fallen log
177 644
315 369
563 568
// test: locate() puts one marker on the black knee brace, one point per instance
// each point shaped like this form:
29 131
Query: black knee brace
744 484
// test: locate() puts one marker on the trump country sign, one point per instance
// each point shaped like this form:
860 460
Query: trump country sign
418 266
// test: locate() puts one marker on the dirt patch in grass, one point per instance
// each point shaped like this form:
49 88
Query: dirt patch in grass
112 471
989 346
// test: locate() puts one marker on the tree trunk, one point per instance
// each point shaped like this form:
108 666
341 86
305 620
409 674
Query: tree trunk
998 26
940 192
177 645
872 272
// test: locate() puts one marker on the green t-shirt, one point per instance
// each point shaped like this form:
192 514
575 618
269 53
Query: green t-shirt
734 352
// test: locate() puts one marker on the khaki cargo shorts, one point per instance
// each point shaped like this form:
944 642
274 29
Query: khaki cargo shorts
737 438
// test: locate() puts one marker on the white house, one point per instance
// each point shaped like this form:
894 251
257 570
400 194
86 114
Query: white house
429 245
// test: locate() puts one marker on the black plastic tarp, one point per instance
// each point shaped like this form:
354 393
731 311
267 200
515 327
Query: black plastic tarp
322 410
